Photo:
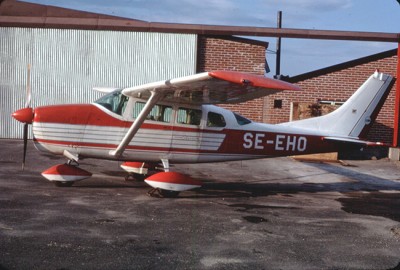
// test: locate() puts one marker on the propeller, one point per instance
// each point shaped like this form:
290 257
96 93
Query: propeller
25 115
28 98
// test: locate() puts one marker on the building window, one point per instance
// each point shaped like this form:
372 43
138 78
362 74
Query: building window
277 103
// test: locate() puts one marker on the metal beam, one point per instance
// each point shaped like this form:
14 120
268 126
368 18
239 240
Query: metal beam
396 128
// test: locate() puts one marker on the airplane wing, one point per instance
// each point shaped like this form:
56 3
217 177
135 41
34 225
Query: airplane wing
215 87
203 88
105 89
354 141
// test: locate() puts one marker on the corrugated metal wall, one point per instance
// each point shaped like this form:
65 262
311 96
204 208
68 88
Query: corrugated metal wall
67 64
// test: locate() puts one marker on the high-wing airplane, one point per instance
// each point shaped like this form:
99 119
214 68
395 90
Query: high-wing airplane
175 121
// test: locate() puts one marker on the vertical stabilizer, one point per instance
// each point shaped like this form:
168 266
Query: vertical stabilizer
357 114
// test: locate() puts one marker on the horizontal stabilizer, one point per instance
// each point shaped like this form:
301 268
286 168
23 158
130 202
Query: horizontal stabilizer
354 141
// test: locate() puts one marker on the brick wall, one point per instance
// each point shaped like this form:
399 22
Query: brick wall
223 54
335 85
339 86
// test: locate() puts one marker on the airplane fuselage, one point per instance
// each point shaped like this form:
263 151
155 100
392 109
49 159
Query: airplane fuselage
168 121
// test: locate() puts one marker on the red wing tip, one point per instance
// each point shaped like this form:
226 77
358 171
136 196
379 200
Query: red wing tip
252 79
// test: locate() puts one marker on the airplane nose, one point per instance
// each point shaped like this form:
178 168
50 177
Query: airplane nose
24 115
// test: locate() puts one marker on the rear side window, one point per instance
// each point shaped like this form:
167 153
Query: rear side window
241 120
188 116
215 120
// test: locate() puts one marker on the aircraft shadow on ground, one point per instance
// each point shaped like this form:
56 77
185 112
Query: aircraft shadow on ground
356 182
373 200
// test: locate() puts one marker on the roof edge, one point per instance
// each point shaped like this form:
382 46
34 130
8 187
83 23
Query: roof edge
13 8
240 40
342 66
29 15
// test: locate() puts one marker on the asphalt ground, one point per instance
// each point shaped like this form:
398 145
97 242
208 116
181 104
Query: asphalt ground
264 214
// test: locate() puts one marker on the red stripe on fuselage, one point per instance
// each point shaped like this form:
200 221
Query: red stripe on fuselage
260 143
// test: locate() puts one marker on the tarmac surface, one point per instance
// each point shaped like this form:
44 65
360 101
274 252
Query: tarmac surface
263 214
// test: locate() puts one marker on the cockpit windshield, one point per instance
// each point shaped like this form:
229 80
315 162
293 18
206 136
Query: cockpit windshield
114 101
241 120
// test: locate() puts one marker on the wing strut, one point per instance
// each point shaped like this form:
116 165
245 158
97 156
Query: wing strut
154 98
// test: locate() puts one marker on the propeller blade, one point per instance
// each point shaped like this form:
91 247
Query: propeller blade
25 144
28 96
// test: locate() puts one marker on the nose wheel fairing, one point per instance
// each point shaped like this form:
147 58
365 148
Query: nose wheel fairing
65 174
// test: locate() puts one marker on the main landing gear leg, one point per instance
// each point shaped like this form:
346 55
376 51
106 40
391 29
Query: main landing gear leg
70 162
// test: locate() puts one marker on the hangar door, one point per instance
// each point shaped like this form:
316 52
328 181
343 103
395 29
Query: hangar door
67 64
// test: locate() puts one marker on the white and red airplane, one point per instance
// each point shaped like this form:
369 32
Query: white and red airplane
174 121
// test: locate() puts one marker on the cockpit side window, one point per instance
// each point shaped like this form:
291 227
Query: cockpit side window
160 113
215 120
188 116
114 101
241 120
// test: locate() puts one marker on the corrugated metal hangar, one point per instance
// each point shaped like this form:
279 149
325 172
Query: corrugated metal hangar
67 64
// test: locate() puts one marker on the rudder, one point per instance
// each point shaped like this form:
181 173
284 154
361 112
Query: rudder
355 117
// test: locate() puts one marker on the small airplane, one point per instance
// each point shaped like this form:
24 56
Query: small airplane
175 121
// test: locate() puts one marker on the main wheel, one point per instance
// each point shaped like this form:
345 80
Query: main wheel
168 193
63 183
135 177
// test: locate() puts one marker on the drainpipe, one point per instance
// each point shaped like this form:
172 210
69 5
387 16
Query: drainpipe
278 46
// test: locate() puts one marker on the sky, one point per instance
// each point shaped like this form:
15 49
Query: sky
298 55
